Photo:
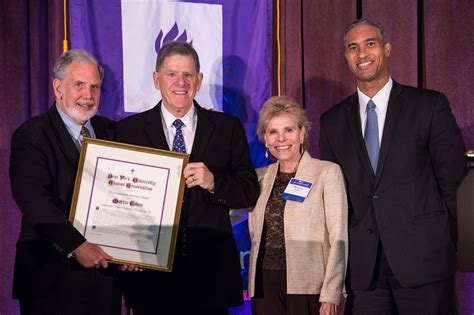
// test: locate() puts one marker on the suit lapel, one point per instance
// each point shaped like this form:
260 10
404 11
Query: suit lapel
267 185
65 141
99 131
99 128
154 129
391 119
353 119
204 130
304 171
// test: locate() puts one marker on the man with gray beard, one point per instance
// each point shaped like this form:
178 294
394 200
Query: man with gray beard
57 271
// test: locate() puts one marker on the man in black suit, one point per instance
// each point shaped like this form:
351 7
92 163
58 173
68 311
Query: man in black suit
401 153
206 271
57 271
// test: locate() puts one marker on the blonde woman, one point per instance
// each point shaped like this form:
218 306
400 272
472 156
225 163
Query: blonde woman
299 247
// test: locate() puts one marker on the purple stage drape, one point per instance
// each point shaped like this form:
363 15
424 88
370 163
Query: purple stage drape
432 43
30 40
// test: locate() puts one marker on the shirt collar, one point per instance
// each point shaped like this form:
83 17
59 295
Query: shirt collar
187 119
380 99
73 127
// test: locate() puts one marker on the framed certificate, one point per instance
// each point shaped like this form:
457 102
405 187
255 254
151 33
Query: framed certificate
127 199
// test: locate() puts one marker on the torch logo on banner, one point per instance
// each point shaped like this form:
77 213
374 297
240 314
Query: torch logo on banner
172 35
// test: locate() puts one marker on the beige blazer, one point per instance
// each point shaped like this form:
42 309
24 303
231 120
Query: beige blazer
316 236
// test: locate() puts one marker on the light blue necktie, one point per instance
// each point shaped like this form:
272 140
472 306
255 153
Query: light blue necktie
371 136
178 141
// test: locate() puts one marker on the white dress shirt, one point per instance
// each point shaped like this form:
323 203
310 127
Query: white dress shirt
189 129
381 102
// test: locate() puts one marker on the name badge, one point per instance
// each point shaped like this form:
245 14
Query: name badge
297 190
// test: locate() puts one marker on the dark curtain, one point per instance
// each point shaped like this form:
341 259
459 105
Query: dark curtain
432 47
31 40
432 44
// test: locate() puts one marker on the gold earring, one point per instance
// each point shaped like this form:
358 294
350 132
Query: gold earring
266 154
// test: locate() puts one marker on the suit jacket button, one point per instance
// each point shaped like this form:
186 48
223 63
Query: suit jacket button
370 231
375 197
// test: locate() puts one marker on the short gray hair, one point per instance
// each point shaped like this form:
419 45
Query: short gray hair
371 22
79 55
177 48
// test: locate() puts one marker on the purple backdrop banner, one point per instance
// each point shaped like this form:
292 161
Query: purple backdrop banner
96 26
241 75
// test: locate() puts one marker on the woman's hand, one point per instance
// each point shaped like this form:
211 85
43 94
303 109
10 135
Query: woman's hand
328 309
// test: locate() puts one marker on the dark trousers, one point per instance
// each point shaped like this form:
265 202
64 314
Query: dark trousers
179 309
275 301
79 291
168 293
386 296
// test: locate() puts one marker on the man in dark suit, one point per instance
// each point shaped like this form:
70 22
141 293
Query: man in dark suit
401 153
56 270
206 271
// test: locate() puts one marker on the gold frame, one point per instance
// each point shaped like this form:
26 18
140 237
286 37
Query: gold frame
87 146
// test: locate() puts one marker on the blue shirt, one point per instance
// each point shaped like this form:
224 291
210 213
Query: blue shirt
74 128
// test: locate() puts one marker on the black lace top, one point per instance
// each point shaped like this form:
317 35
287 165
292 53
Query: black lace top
273 235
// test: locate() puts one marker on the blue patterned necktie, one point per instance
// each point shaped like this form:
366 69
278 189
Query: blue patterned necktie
371 136
178 141
85 133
